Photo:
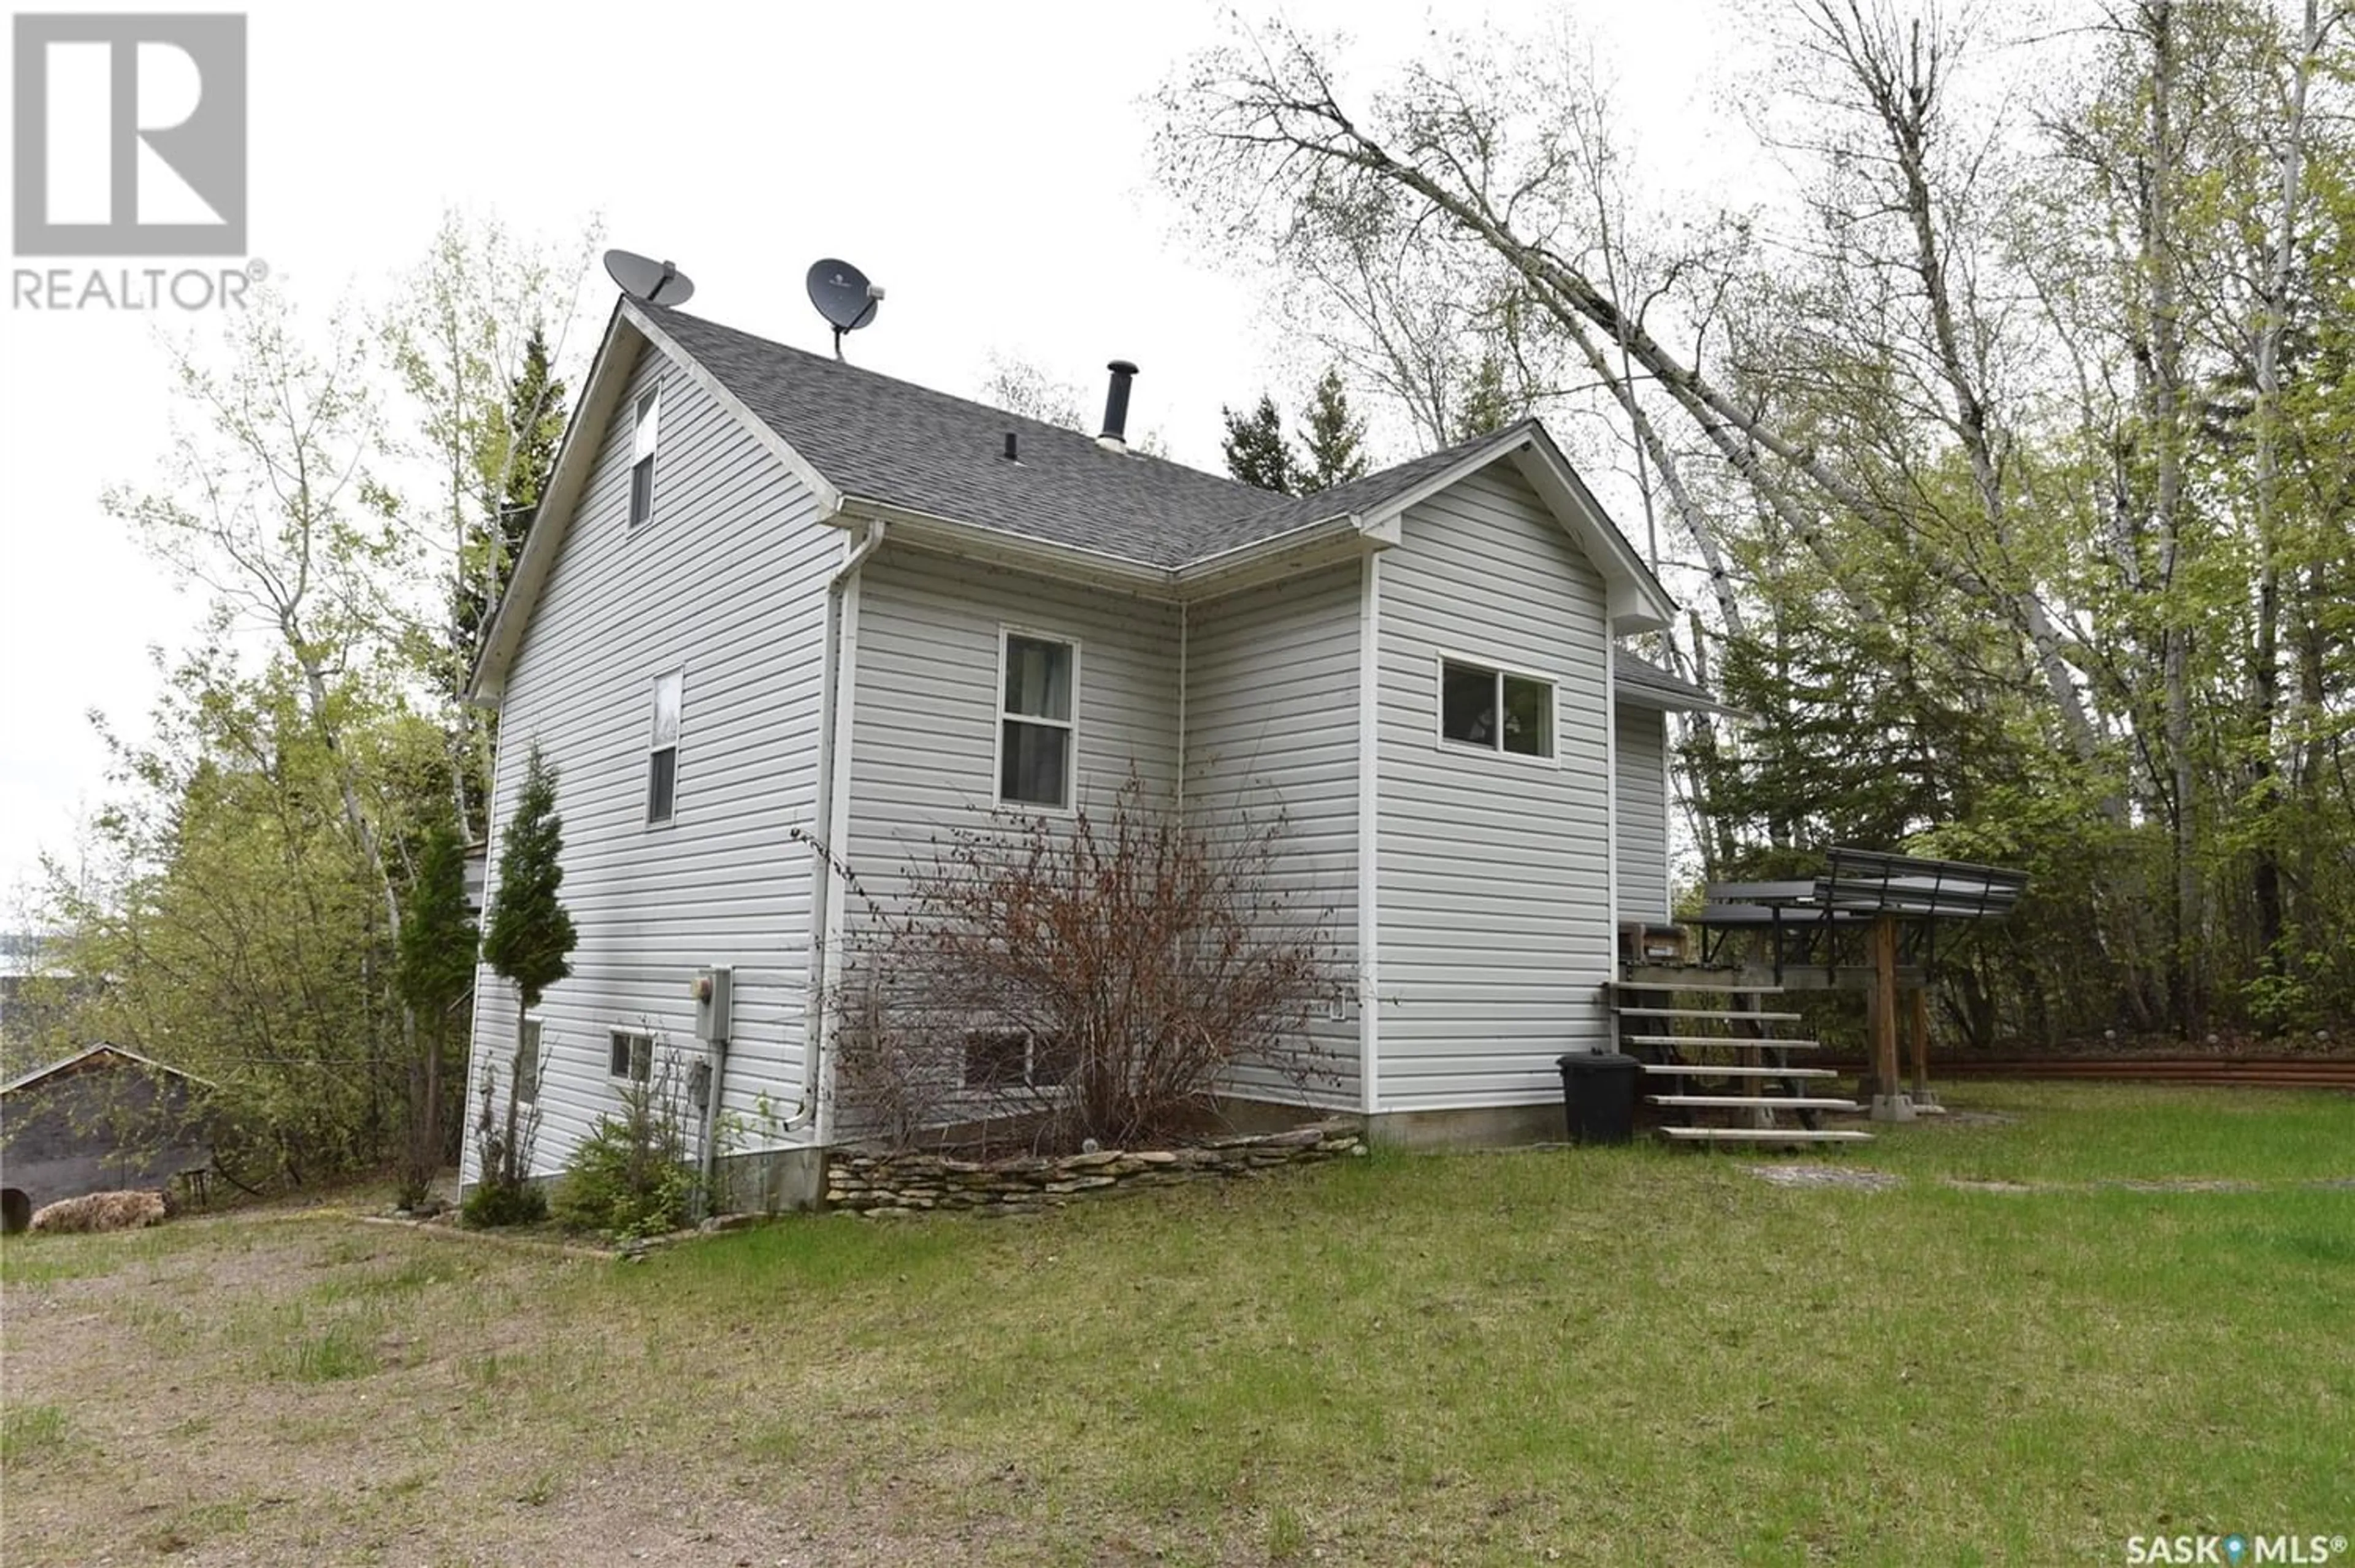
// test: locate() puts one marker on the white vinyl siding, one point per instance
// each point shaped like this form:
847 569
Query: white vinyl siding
732 581
924 732
1493 873
1643 814
1271 722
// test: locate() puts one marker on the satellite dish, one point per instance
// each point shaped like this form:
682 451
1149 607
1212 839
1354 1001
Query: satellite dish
644 278
844 296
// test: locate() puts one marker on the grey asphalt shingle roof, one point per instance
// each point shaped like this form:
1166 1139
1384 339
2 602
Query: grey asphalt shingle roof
1641 678
904 446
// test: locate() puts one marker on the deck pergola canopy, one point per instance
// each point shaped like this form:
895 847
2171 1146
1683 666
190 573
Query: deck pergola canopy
1896 901
1862 885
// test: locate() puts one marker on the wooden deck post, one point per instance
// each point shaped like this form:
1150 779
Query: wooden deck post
1888 1103
1921 1033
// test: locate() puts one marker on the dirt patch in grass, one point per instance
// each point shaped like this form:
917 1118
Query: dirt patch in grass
1846 1176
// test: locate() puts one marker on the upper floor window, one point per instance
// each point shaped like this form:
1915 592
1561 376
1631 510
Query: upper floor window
662 751
642 458
1036 730
1489 709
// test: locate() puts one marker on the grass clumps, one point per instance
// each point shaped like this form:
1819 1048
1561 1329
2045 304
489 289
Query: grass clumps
29 1431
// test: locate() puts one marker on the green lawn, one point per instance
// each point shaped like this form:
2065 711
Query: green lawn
1623 1356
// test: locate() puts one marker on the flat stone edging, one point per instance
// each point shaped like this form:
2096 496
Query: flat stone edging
910 1183
450 1232
1864 1179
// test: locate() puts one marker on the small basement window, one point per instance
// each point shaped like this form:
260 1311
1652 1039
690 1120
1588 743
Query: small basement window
662 748
1014 1058
632 1057
1036 731
1494 710
642 457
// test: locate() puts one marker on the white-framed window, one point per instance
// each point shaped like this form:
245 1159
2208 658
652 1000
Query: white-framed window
1014 1058
662 748
630 1056
526 1062
1038 732
1484 707
644 440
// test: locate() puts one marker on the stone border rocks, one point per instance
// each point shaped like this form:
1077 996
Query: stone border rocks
881 1183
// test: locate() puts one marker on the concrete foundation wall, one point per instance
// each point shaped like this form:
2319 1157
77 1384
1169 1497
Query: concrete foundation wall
1483 1126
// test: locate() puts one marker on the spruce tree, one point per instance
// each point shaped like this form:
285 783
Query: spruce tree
1335 439
1256 449
436 969
1487 406
529 942
530 937
515 476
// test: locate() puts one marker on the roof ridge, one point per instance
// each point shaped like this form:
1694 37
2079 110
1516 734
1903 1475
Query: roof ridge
823 362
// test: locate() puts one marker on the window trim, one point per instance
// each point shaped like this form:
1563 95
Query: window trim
1441 658
1007 632
614 1037
645 444
654 748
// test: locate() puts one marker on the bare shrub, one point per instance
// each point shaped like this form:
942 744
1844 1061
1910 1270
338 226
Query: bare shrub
504 1192
1100 978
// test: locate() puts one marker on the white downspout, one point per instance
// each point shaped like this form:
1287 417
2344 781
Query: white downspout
1369 923
834 716
1184 739
1610 817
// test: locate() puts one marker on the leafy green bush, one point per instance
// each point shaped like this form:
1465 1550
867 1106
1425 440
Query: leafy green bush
630 1178
496 1203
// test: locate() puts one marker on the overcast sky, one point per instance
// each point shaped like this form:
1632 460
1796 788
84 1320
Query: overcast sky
988 164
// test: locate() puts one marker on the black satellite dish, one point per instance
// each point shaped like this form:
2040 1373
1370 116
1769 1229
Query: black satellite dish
844 296
644 278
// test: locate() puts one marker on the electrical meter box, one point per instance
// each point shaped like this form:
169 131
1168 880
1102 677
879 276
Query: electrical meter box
712 1001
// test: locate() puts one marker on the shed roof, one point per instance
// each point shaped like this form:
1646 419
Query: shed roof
85 1055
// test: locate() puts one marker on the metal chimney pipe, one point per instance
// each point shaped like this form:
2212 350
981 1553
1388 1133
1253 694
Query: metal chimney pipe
1116 420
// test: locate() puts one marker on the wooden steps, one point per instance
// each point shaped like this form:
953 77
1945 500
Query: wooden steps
1724 1015
1724 1039
1703 1075
1766 1135
1731 1070
1751 1102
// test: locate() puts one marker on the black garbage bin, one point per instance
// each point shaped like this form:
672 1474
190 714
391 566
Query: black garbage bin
1598 1095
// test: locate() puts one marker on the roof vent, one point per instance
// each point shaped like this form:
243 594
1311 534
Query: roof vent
1116 426
1010 456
